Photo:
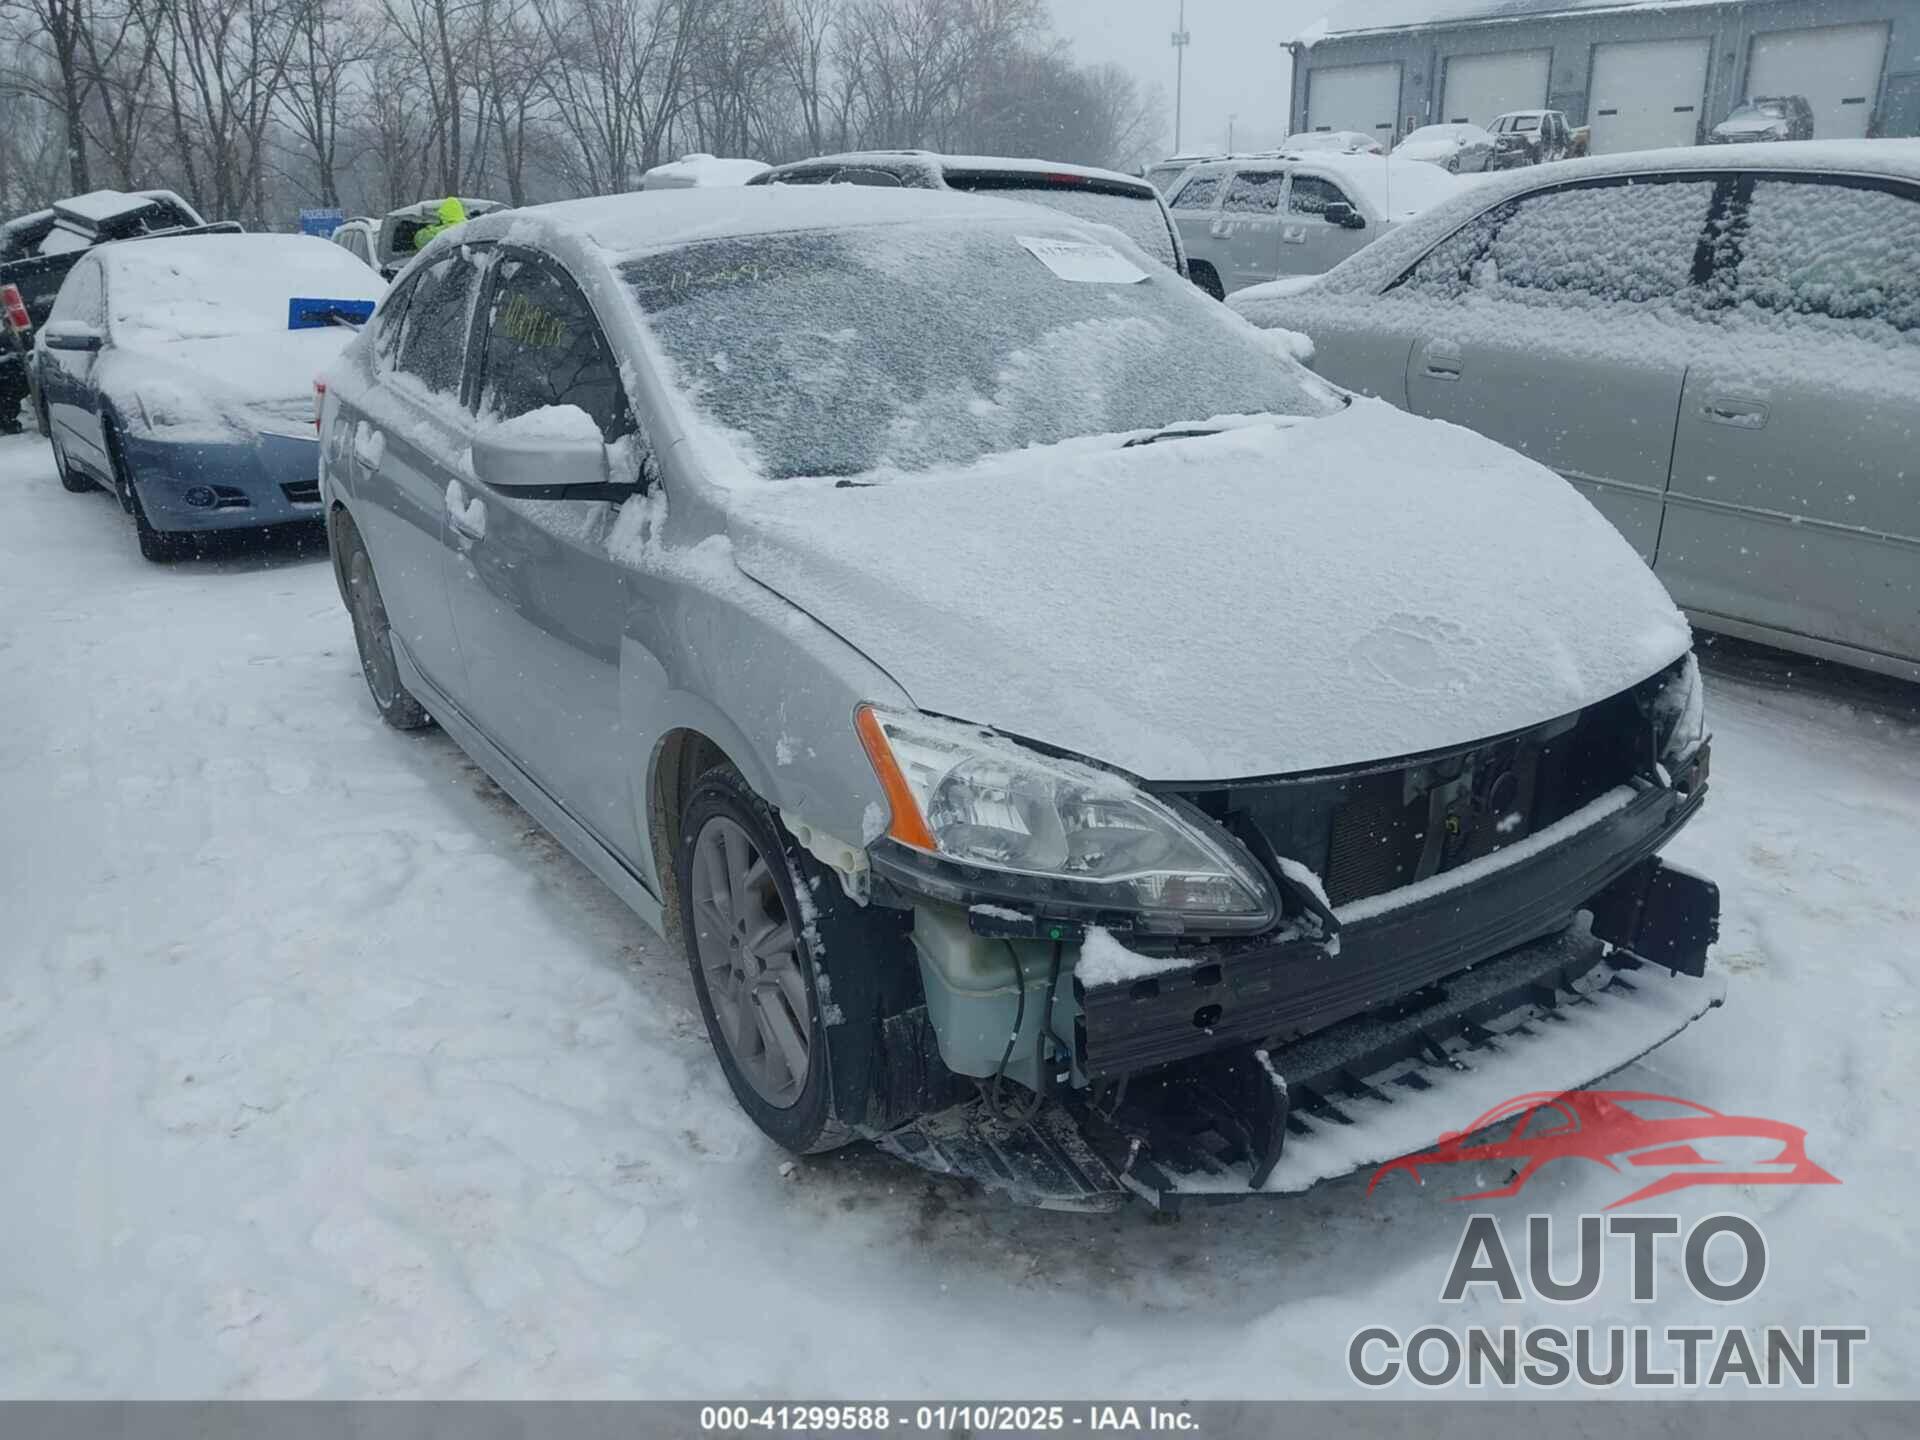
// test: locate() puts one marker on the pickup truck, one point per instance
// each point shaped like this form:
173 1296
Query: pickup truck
37 251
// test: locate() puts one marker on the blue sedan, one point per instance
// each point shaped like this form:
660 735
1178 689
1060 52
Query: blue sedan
179 374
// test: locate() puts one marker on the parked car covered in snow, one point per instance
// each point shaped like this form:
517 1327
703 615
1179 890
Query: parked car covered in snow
397 239
1258 217
785 555
1461 149
1126 202
1340 142
691 171
360 238
1529 137
1719 347
1775 117
37 251
171 377
1163 175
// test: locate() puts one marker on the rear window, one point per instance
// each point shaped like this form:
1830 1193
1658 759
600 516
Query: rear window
1138 217
912 346
207 286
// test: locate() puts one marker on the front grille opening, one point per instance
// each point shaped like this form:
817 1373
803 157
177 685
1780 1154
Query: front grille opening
1386 827
302 492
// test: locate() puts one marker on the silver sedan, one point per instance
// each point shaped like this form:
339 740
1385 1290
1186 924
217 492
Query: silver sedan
1720 348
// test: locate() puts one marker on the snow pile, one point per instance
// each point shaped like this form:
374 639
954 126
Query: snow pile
690 171
561 424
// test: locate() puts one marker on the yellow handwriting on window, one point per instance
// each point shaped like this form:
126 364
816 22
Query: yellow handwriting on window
531 325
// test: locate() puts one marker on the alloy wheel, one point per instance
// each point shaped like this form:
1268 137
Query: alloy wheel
750 958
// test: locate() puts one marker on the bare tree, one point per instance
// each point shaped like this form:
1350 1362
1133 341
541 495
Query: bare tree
331 44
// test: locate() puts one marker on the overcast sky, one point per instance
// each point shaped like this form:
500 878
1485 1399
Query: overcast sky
1235 64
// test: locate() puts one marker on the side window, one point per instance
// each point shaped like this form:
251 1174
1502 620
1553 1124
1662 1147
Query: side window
1311 195
544 347
1630 242
389 320
1197 193
433 334
1255 192
82 295
1842 251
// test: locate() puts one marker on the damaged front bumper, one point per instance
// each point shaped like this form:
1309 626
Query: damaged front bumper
1548 1017
1267 1065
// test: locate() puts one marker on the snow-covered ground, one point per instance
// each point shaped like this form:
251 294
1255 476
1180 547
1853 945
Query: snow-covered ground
325 1072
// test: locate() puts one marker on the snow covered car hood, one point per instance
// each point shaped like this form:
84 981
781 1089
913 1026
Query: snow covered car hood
1277 598
213 387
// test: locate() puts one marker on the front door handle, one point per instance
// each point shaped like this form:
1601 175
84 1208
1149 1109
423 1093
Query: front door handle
1442 360
1741 414
369 446
466 513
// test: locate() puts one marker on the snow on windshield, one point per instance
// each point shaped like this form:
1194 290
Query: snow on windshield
911 346
208 286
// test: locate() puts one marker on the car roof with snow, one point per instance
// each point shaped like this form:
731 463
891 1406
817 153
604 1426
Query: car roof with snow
617 226
938 161
1376 264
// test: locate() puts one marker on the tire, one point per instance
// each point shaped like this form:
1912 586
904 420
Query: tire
753 963
373 638
71 480
1207 278
159 546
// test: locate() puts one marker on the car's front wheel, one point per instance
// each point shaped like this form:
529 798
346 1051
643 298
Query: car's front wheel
373 638
1207 278
71 480
752 955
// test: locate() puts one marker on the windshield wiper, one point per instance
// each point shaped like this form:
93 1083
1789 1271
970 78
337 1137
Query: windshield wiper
1189 432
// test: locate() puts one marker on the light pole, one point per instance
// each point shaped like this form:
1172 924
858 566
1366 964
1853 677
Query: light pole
1180 38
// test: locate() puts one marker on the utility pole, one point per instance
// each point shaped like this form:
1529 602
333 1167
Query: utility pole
1230 119
1180 38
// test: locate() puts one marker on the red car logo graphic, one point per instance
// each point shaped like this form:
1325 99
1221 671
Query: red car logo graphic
1622 1130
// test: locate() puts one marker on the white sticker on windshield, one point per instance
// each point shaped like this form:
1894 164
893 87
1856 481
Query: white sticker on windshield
1087 261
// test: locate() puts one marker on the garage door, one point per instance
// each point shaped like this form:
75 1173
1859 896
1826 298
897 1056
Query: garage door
1354 97
1646 94
1837 68
1479 87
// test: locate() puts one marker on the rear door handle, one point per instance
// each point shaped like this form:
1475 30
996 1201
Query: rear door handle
369 446
1741 414
1442 360
466 513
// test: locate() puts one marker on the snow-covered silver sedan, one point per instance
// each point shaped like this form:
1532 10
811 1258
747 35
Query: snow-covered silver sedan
1075 746
1720 347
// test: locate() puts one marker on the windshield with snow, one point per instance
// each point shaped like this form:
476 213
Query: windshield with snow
911 346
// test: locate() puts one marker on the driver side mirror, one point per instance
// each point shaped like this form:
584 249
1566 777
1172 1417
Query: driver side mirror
1340 213
548 467
72 335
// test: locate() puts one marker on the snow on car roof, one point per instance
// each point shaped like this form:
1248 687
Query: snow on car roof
1373 266
701 169
639 222
97 207
1007 164
1353 17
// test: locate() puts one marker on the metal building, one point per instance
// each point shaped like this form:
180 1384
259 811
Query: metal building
1641 73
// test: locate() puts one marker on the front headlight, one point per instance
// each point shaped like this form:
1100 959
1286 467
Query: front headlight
1679 714
1025 826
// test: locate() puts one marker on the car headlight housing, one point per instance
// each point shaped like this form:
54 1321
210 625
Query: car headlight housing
980 817
1679 714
